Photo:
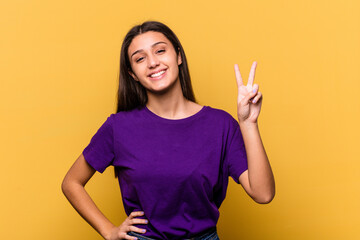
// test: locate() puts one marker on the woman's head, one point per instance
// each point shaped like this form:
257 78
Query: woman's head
132 93
154 62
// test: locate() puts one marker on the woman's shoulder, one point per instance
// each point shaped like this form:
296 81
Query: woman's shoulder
220 113
128 115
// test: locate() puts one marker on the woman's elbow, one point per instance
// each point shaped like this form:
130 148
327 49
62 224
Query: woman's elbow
264 198
65 186
68 185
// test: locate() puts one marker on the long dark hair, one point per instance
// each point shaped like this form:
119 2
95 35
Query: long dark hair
131 94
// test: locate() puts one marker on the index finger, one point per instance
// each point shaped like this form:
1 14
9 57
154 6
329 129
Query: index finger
136 214
252 74
238 75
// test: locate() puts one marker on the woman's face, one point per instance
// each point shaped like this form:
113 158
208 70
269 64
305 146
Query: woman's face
154 61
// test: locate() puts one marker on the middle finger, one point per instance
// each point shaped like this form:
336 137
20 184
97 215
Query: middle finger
138 221
238 75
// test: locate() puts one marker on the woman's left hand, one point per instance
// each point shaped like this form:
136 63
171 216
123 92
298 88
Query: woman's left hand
249 98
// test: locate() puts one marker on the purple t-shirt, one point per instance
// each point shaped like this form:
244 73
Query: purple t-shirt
175 170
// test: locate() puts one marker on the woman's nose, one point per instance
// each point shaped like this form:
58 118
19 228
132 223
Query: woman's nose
153 61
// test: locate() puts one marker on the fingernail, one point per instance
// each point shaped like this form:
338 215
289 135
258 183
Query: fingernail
253 101
143 230
146 221
254 91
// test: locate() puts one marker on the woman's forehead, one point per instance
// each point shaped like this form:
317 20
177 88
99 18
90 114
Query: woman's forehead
147 40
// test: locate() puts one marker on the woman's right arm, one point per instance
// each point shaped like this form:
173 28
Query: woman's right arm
73 187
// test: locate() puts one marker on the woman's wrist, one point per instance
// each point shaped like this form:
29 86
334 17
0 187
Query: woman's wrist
247 125
106 231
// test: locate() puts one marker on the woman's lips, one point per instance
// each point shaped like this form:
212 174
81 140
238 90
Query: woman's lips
158 75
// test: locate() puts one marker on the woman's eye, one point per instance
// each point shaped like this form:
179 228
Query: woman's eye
139 59
161 50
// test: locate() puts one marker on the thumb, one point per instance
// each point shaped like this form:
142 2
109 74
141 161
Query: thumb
250 95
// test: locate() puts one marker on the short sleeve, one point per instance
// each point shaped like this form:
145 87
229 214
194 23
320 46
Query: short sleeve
235 156
99 153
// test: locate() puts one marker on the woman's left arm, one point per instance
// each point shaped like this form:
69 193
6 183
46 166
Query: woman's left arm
258 181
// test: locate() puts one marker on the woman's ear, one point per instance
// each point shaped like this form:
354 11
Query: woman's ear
132 75
179 57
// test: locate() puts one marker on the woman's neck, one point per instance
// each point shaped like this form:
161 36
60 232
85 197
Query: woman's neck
171 104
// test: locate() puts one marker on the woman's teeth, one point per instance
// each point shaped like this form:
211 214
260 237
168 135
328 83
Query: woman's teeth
157 74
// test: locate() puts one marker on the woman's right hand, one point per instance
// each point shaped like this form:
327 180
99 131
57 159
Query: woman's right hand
121 231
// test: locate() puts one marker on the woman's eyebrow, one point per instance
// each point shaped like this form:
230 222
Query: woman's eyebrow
140 50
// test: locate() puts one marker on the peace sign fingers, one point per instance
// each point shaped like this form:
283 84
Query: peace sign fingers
251 76
238 75
249 97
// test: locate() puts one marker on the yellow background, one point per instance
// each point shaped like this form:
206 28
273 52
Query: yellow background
58 70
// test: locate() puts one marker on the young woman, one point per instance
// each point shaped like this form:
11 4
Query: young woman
172 156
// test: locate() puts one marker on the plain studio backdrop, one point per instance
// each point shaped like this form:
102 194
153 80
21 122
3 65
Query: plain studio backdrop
59 65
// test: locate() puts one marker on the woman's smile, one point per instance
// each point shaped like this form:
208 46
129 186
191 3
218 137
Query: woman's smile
158 75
